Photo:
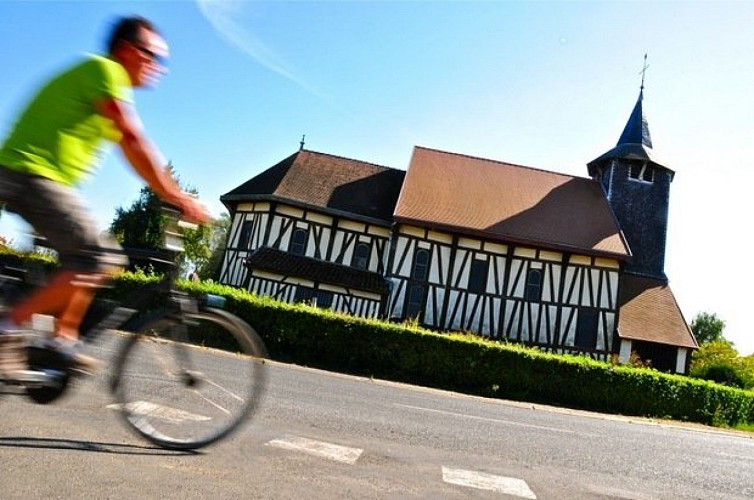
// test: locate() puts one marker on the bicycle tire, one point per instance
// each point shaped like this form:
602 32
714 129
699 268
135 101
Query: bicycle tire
178 387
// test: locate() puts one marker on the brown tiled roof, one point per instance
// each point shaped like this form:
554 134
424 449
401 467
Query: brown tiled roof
506 202
326 181
649 312
319 271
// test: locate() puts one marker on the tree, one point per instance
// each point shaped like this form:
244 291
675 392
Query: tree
719 361
708 328
219 229
142 227
205 246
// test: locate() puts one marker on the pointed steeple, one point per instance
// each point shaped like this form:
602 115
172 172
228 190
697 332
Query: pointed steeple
637 129
635 143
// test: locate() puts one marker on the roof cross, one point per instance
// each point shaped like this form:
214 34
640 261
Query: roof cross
644 71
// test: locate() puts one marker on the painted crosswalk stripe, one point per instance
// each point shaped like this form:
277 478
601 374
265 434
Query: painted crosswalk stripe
484 481
318 448
154 410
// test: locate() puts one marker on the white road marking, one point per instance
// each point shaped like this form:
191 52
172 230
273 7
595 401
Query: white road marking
318 448
209 401
165 413
491 482
497 420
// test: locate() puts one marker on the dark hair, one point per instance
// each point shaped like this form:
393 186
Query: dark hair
128 29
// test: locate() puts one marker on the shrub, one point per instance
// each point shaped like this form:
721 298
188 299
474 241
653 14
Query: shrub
466 363
719 361
403 352
723 374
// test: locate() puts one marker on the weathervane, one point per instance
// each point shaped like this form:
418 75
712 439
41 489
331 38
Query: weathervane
301 144
644 71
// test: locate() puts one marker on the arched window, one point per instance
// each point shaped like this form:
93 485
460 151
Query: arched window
244 240
298 241
534 285
417 286
421 265
360 258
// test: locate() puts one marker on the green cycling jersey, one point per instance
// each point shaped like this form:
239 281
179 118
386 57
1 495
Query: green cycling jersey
61 135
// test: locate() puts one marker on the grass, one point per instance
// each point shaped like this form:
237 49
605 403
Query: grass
748 427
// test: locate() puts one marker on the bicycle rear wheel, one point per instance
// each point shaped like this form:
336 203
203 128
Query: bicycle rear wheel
184 382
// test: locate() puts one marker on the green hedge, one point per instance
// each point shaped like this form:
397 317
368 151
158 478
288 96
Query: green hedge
465 363
469 364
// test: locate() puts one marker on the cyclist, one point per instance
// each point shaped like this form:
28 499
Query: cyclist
54 143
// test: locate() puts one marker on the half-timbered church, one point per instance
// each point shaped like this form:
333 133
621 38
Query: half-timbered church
564 263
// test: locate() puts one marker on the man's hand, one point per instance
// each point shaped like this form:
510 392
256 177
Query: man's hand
193 210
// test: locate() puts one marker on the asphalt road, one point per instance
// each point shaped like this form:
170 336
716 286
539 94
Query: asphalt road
321 436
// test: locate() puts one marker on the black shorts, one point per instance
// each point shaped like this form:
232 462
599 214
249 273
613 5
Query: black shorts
58 214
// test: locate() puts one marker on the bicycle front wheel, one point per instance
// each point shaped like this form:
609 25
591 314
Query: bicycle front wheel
185 381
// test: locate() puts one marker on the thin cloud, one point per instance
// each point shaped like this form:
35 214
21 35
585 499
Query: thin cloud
226 18
223 16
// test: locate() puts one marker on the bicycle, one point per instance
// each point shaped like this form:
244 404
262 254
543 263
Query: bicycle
185 374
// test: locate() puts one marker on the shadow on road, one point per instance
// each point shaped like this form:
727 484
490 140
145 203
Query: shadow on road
71 444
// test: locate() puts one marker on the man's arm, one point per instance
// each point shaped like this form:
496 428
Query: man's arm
147 161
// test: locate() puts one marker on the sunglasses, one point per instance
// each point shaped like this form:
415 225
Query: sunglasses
156 58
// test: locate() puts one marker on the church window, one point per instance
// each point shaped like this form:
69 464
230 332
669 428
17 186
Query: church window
478 276
298 241
245 239
415 300
417 287
324 299
534 285
586 329
360 256
421 265
303 294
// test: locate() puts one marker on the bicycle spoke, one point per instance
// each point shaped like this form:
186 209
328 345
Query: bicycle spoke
179 389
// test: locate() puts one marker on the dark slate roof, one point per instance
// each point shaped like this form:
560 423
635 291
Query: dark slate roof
635 143
650 313
328 182
508 203
319 271
637 128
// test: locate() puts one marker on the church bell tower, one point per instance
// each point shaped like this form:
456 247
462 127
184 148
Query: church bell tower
637 187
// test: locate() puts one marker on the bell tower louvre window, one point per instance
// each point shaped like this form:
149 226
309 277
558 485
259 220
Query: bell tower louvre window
641 172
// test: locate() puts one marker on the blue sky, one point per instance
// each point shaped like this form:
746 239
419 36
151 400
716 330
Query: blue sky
543 84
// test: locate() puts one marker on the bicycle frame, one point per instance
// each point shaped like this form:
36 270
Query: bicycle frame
106 314
111 314
102 315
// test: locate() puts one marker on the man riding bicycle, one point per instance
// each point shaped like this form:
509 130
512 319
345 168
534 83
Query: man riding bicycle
55 142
